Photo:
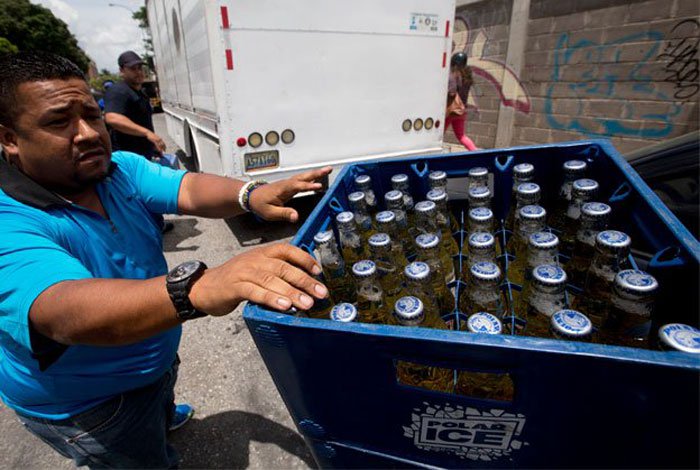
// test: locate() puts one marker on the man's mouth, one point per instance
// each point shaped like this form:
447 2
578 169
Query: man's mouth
91 154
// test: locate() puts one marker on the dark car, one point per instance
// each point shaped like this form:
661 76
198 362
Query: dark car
671 170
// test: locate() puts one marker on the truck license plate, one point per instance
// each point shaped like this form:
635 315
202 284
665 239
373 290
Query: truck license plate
260 160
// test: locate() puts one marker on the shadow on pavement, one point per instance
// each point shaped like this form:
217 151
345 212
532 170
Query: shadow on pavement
251 231
223 440
184 228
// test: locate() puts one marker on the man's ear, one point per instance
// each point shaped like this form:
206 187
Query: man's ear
8 140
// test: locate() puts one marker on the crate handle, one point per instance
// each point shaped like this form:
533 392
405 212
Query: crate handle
666 258
506 159
335 205
621 193
420 169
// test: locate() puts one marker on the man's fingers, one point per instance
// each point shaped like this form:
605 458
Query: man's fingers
270 212
255 293
278 285
313 175
293 255
298 278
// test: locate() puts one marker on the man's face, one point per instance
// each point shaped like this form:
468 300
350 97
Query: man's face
58 137
134 75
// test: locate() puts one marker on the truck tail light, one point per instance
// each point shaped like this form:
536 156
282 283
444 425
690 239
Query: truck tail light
429 123
288 136
272 138
406 126
255 140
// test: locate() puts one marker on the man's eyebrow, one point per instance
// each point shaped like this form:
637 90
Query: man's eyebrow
59 109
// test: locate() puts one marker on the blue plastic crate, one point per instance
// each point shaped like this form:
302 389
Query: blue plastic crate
574 405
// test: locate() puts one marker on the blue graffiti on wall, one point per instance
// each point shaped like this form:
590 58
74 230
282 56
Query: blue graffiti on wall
600 81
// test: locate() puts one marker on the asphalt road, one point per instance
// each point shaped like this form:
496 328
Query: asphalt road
241 421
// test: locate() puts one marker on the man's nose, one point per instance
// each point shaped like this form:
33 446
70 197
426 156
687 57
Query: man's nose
86 132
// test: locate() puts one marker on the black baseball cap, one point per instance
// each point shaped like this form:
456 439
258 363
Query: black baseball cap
129 59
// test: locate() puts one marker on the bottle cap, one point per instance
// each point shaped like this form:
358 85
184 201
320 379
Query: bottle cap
543 240
417 270
409 310
571 324
363 181
595 210
344 312
584 187
478 171
575 166
356 196
385 217
480 214
479 193
532 212
323 237
427 240
425 206
636 282
379 239
436 195
613 239
437 176
364 268
393 196
484 322
528 189
345 218
486 270
680 337
549 275
523 170
399 178
481 240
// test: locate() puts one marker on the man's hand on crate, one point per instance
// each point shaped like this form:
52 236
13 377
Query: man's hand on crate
278 276
268 201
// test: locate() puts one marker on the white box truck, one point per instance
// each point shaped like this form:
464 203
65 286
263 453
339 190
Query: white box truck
268 88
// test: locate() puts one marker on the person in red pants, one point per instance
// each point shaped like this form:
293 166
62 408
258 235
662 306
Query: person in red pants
457 91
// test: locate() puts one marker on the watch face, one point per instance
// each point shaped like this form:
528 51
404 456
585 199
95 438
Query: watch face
183 271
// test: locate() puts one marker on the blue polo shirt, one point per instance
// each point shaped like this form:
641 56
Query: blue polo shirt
45 239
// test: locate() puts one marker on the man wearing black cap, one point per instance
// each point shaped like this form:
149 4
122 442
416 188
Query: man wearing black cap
128 111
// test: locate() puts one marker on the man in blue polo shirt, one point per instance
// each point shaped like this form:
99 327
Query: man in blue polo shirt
89 322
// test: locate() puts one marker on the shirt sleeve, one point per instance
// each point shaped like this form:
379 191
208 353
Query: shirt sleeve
157 185
30 262
116 100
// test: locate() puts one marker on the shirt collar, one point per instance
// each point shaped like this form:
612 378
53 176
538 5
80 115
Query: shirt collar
22 188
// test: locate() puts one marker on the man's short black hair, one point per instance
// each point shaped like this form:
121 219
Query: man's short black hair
29 66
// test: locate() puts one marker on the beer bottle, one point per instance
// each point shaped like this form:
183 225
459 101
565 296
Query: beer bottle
546 294
594 218
522 173
525 194
477 176
612 249
386 223
482 384
571 325
340 284
542 248
399 182
371 305
426 223
362 217
480 219
573 170
532 220
480 196
364 183
409 312
679 337
631 307
395 203
388 265
483 293
445 221
482 247
344 313
350 240
429 252
438 180
582 191
419 284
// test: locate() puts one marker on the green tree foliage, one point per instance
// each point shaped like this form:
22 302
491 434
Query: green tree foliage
33 27
142 17
97 83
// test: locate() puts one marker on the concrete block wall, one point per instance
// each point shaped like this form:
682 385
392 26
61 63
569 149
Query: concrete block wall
626 70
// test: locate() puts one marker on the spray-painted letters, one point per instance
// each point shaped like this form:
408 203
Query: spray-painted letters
681 57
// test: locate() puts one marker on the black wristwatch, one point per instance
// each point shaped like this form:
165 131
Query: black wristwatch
179 282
